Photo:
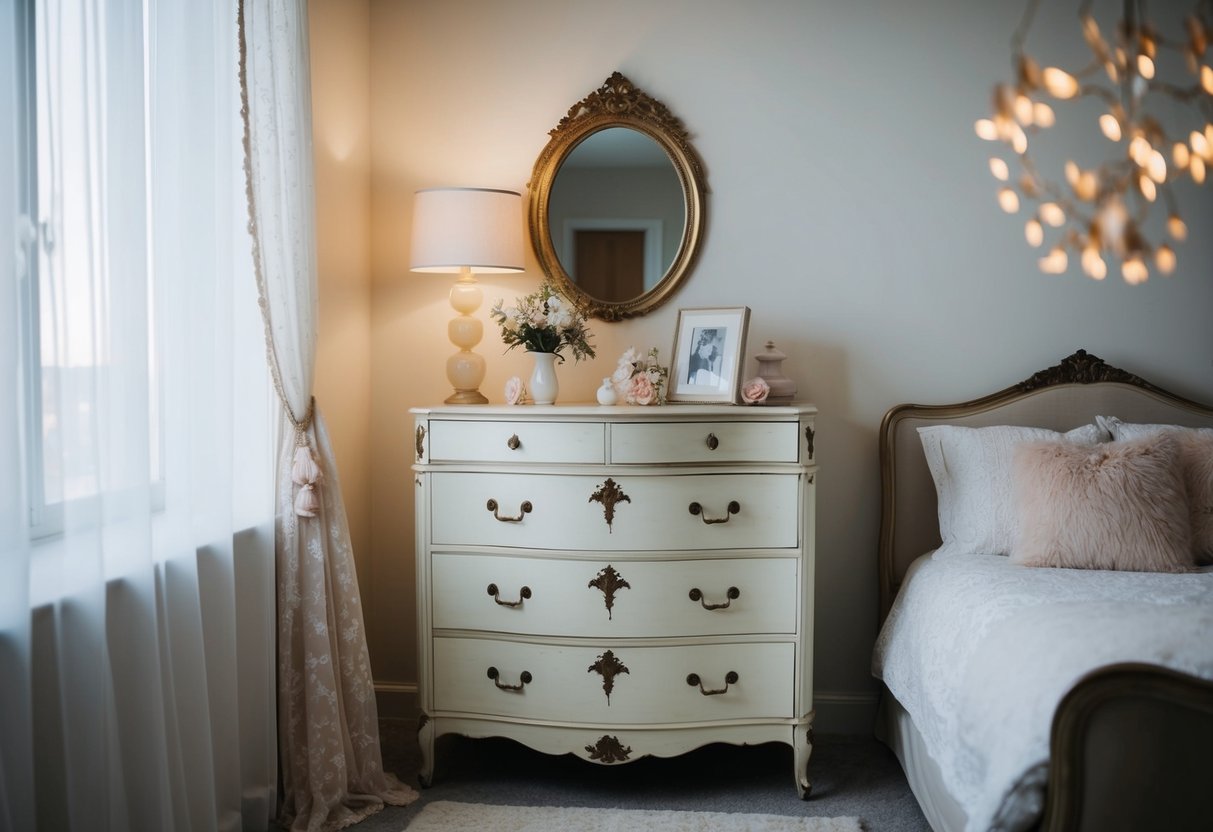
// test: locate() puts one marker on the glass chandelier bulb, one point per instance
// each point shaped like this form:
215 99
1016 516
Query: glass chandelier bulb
1092 264
1140 150
1196 167
1177 228
1180 155
1164 258
1146 185
1110 126
1008 200
1043 114
1019 139
1134 270
1199 144
986 129
1145 67
999 168
1059 83
1055 261
1034 232
1053 214
1156 167
1023 109
1206 78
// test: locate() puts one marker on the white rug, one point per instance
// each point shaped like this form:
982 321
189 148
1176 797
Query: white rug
446 816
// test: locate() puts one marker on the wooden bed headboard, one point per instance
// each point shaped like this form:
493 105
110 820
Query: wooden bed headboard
1061 397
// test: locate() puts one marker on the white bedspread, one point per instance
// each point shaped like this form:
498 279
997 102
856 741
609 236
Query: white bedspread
980 651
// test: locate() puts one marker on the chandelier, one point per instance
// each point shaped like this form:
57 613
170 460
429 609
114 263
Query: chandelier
1135 75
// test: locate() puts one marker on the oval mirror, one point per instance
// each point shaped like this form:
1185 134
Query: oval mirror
616 203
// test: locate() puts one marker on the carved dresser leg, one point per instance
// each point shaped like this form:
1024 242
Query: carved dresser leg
802 748
425 739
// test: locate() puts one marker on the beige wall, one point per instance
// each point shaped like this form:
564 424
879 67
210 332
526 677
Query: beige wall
341 146
850 208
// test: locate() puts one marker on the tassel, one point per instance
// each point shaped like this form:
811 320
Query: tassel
305 471
306 501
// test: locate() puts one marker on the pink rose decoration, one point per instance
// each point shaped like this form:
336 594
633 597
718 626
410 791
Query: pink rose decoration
515 391
643 391
755 391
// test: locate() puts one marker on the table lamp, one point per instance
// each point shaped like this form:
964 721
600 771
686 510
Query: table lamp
464 231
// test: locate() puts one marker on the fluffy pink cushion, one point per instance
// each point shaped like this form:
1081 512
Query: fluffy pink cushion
1196 452
1120 505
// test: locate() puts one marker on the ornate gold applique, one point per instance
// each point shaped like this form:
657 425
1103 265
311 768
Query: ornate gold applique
608 750
609 493
608 666
608 582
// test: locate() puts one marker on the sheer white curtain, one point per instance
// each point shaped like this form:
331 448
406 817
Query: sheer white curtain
136 519
332 770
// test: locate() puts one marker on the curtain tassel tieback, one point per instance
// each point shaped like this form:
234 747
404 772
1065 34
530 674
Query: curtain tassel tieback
306 474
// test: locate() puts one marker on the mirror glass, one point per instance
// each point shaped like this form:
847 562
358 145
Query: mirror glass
616 214
616 211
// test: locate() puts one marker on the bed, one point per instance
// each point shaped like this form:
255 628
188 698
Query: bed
1045 698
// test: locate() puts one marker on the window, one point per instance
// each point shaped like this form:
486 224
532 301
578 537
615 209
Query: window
86 231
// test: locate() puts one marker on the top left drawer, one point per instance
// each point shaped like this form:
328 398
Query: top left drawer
556 442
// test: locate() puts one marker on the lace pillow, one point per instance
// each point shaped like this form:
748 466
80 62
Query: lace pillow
1119 505
971 468
1196 459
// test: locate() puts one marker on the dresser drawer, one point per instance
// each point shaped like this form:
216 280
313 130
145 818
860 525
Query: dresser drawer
571 684
620 513
559 442
704 442
646 598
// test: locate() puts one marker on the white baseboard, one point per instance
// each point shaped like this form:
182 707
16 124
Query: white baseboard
838 712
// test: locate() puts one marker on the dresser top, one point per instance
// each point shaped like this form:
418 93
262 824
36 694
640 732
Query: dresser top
621 413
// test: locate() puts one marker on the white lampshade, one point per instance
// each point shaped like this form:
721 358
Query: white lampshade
467 228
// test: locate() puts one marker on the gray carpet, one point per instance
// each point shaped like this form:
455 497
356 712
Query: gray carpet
852 776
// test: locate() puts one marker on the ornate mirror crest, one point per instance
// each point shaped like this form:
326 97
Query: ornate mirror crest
619 104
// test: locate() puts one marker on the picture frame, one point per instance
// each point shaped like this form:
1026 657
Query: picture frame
706 360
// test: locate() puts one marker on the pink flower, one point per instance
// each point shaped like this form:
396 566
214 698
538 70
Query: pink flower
515 391
755 391
643 391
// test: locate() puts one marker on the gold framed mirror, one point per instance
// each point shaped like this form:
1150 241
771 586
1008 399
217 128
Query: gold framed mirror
617 203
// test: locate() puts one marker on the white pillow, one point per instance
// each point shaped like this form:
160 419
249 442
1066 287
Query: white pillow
972 472
1196 458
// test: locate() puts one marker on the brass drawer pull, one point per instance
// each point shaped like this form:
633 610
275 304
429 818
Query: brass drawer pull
523 594
696 595
730 678
697 510
525 508
524 677
513 443
713 442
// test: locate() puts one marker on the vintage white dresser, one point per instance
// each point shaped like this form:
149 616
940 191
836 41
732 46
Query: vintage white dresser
615 582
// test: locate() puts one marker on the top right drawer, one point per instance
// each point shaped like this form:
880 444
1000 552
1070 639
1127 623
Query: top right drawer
699 442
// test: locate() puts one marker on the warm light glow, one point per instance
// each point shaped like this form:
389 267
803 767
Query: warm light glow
999 168
1140 150
1196 167
1055 262
1145 67
1206 78
1134 270
1156 167
1059 83
1052 213
1043 114
1110 126
1146 185
1180 155
1092 264
1019 140
1008 200
1164 258
986 129
1023 109
1034 232
1177 228
1200 145
1088 186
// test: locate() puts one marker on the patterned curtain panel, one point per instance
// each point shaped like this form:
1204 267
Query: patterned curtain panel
332 771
